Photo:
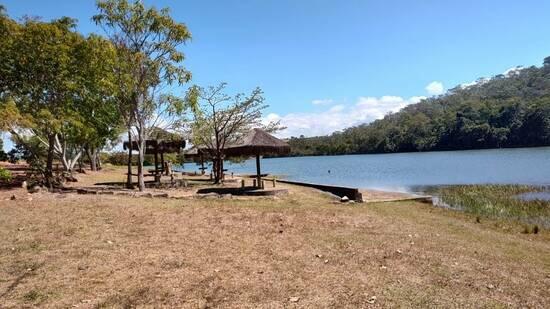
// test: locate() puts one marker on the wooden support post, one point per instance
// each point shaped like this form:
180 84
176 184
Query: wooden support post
164 169
156 159
242 183
274 182
254 183
258 173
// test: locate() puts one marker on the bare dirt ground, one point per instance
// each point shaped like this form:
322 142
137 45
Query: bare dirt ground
302 250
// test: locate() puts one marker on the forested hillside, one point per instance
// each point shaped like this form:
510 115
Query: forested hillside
511 110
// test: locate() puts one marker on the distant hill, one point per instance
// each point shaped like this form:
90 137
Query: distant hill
511 110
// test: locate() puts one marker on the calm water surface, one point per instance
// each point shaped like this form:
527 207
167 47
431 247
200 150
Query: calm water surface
407 171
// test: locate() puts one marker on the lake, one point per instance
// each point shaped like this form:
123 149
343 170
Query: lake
407 172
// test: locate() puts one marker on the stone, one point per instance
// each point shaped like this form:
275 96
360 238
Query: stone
344 199
294 299
372 300
203 304
208 195
24 185
34 189
13 198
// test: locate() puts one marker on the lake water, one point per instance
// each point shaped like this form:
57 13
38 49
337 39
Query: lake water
408 171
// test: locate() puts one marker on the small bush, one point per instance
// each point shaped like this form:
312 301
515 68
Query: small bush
5 175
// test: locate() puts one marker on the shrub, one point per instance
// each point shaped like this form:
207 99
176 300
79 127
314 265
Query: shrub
5 175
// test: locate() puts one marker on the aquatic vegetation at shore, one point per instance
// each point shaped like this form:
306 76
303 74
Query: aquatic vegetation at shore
497 201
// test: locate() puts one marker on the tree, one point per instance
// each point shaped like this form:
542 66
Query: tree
96 93
56 86
39 77
220 119
146 40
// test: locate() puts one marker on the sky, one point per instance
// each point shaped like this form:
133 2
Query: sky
325 65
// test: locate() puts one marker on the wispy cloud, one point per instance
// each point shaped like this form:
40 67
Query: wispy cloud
435 88
338 117
322 102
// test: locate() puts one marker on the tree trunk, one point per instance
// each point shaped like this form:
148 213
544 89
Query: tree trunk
92 157
216 170
49 161
98 157
141 157
129 177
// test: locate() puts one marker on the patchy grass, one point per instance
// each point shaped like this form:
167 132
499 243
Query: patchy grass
303 250
498 202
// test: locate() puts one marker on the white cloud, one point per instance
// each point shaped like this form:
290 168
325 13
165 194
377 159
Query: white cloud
480 81
337 108
513 71
435 88
322 102
339 117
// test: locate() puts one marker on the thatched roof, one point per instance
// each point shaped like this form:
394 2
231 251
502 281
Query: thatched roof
172 146
257 142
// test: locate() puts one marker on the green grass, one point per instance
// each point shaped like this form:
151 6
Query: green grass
498 202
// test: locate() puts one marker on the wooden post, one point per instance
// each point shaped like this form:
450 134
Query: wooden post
274 182
254 183
156 158
258 173
242 183
164 171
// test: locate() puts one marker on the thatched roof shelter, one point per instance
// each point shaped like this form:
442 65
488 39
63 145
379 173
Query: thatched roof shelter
160 142
257 142
156 146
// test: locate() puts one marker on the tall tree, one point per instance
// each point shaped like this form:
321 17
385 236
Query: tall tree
56 86
38 75
97 97
147 40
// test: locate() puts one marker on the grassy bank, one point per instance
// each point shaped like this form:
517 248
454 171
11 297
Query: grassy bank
303 250
498 202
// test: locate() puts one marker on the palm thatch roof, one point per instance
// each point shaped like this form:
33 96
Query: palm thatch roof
257 142
154 146
160 141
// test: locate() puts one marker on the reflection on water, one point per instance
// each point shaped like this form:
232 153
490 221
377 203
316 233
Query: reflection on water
405 171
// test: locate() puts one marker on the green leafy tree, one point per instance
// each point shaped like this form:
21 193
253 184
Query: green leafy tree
56 86
147 41
39 77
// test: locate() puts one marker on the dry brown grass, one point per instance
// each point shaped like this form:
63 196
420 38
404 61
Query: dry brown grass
113 251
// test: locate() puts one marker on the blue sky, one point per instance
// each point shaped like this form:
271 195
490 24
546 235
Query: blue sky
325 65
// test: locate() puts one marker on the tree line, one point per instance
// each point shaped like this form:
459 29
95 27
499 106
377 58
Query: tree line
511 110
65 95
